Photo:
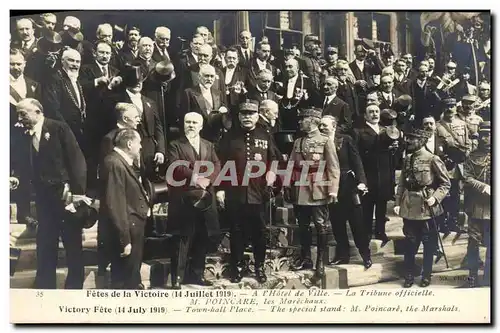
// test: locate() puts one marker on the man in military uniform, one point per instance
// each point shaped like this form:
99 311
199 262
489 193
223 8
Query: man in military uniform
457 145
484 101
473 120
317 187
351 186
477 188
245 203
423 184
309 63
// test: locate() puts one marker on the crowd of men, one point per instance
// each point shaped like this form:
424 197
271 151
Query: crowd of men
98 123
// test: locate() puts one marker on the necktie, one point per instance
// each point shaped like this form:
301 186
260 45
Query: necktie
264 95
36 142
325 104
104 71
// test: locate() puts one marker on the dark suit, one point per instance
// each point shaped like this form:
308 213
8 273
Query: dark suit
150 129
425 100
340 110
379 169
60 101
253 71
127 56
100 119
289 106
244 60
193 101
17 44
157 56
22 195
347 92
388 104
123 214
59 161
193 227
233 99
402 85
369 69
351 174
39 68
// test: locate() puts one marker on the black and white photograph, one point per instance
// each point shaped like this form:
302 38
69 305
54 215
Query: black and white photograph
196 155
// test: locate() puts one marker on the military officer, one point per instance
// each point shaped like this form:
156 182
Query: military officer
313 187
471 118
309 63
454 133
245 202
477 196
423 184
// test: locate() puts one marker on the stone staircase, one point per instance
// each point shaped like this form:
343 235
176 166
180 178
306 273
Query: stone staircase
387 260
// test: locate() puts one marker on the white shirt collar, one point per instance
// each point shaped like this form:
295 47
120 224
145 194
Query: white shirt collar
260 63
101 66
195 56
29 43
37 129
127 158
19 79
360 63
120 126
132 95
331 97
293 79
204 89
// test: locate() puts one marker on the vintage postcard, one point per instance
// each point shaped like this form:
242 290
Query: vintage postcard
250 167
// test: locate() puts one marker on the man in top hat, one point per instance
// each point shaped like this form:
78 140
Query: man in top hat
192 209
49 158
351 186
124 210
150 128
44 61
457 145
320 188
244 147
423 185
310 60
477 196
26 41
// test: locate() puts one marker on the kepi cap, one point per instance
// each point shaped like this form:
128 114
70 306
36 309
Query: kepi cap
311 112
249 107
418 134
332 49
469 98
312 38
450 102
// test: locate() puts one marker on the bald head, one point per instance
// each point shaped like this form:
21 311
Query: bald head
193 123
146 48
25 29
71 61
71 22
162 37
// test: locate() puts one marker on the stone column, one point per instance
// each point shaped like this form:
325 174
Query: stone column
393 34
243 21
350 35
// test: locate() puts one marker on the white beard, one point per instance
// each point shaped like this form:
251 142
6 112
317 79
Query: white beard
73 75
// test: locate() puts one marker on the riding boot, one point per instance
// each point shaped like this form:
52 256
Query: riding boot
320 266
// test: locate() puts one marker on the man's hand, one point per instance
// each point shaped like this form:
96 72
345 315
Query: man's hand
362 187
223 109
202 182
159 158
487 190
101 80
14 183
412 117
396 210
126 251
333 197
431 201
270 178
117 80
221 198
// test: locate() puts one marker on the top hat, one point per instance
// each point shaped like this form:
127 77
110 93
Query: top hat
249 107
85 215
198 198
404 101
71 38
157 191
51 42
165 70
388 114
311 112
132 75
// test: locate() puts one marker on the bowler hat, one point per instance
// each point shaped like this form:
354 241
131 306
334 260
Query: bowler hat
198 198
51 42
86 216
311 112
132 75
165 70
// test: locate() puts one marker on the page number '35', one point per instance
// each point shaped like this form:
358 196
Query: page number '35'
39 294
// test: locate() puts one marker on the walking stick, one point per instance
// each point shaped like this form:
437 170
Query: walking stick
433 218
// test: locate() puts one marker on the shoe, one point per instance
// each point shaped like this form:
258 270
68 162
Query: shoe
140 286
260 274
425 282
383 238
367 263
176 283
472 282
320 264
202 282
339 261
236 275
408 282
304 264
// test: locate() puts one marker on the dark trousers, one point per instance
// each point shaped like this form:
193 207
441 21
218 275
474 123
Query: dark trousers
305 215
51 226
416 232
452 204
188 260
479 232
340 213
370 202
126 271
247 220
